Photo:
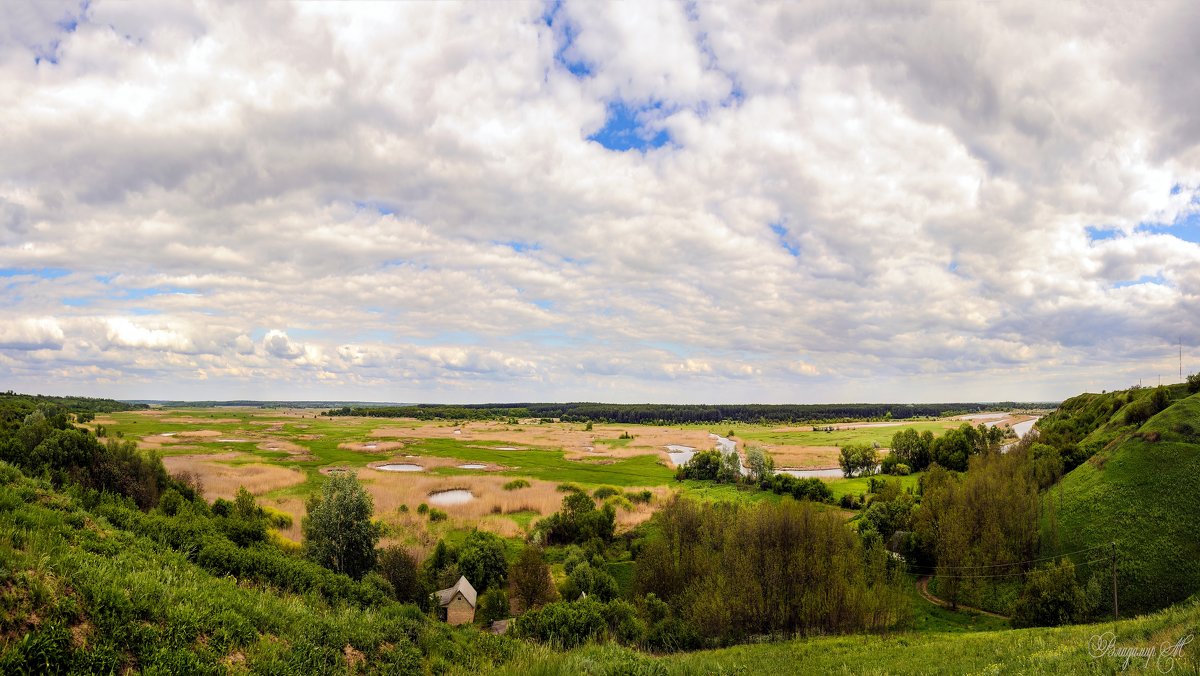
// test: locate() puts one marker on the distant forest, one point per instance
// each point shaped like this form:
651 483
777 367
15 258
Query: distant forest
679 413
14 407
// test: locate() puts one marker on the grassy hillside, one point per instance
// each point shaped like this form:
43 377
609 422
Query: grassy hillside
1062 650
1140 489
80 595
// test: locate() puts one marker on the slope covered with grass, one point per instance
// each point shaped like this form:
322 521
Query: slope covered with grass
1141 490
1063 650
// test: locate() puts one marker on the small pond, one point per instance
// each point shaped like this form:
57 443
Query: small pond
457 496
400 467
473 465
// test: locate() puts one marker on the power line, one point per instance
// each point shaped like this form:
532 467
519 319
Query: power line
1012 574
1015 563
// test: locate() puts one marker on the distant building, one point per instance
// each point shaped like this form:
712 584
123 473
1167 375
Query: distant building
458 602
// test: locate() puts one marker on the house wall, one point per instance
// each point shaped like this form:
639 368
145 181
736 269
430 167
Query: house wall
459 611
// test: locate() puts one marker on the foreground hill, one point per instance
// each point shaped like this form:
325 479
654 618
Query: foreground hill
80 594
1140 489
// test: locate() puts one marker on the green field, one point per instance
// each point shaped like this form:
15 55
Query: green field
840 437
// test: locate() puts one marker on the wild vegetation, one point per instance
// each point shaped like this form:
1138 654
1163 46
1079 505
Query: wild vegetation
95 534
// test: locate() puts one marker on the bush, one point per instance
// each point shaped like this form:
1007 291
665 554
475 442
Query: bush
422 508
481 559
623 622
561 624
672 635
643 496
1193 383
436 515
493 605
516 484
570 488
399 567
605 492
1052 596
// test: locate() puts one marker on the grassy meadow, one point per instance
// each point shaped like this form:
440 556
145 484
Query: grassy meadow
283 455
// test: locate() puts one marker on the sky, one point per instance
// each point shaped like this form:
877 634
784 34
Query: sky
621 202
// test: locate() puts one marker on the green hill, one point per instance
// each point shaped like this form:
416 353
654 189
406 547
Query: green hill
80 595
1140 488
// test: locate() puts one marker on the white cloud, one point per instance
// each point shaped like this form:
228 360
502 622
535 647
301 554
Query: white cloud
31 334
399 201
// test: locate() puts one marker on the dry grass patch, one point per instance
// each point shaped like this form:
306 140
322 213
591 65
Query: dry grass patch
293 506
277 445
222 480
576 442
802 457
390 490
190 420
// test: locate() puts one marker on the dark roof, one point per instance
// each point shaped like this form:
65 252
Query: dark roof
445 596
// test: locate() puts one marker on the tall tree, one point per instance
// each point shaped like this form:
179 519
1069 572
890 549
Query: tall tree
338 531
530 577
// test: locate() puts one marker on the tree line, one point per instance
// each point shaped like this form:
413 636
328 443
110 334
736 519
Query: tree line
672 413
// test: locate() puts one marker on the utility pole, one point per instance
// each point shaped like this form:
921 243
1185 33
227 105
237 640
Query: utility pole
1116 612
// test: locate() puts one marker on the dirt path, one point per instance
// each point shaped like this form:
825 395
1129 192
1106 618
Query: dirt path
923 587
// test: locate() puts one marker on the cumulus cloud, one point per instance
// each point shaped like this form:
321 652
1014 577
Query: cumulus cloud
415 202
31 334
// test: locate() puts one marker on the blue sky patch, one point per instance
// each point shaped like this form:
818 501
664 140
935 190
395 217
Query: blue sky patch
521 247
137 294
580 69
44 273
1144 279
1097 233
1186 228
77 302
780 230
625 128
384 209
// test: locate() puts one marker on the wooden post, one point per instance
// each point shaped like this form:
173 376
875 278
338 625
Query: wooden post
1116 611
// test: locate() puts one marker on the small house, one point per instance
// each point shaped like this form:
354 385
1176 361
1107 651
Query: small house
458 602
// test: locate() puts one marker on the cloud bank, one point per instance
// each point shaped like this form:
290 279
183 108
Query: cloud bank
651 201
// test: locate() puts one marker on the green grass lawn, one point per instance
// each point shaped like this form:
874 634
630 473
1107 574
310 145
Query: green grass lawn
859 485
861 435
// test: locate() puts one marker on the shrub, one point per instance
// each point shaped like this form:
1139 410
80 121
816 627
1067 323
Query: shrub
570 488
623 622
643 496
436 515
399 567
481 559
562 624
493 605
1193 383
1052 596
605 492
672 635
516 484
422 508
